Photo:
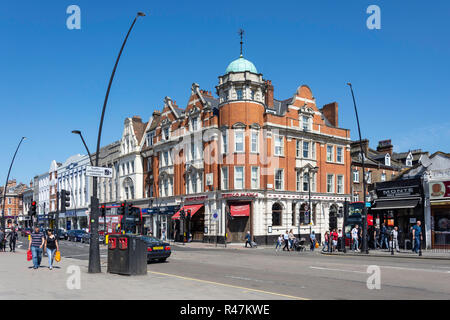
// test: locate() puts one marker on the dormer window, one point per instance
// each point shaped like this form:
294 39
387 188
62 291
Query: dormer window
387 160
306 123
166 133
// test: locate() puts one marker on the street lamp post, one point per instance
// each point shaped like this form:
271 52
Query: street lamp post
94 249
364 240
85 145
6 185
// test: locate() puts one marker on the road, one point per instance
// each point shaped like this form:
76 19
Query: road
293 275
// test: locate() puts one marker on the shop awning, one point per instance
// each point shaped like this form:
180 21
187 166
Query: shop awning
240 210
395 204
194 208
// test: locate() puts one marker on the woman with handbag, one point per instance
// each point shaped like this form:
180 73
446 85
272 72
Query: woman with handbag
51 246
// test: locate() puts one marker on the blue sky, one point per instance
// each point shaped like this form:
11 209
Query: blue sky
53 79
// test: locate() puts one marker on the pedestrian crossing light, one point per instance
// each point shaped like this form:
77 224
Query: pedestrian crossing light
33 208
65 200
121 209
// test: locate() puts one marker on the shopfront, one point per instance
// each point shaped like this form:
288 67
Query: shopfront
195 225
75 219
440 214
157 221
239 208
399 203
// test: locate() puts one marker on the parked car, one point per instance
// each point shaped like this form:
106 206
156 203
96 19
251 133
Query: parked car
157 249
87 238
75 235
25 232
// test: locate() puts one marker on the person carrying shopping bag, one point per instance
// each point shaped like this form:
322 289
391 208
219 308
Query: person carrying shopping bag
51 246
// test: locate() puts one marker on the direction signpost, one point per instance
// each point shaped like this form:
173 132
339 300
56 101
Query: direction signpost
99 172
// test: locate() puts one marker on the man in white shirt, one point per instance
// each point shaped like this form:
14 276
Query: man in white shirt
355 232
394 242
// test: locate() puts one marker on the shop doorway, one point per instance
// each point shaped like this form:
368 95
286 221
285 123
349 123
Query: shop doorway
239 224
197 225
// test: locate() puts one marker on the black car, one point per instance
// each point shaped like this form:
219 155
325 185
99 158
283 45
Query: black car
75 235
157 249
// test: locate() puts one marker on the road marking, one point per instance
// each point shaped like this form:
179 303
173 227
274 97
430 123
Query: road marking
331 269
229 285
414 269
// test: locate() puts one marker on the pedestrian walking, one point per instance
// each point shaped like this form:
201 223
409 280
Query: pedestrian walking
312 239
417 236
286 241
376 238
2 241
327 242
279 242
12 240
291 239
51 246
334 240
355 235
35 244
394 241
248 239
384 236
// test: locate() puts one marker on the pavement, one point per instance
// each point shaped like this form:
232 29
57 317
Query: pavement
201 271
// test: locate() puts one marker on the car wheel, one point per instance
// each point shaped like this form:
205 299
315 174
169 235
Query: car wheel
162 260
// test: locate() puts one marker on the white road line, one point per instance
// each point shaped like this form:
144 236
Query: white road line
342 270
414 269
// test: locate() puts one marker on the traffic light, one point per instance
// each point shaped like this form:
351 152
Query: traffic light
33 208
129 209
103 210
188 216
121 209
182 214
65 200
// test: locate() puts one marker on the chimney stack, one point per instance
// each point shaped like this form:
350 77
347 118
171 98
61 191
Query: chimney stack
330 111
385 146
269 94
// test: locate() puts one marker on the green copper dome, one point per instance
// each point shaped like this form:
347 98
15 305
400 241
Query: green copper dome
241 65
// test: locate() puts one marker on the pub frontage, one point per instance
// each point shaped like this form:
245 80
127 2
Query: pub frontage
400 203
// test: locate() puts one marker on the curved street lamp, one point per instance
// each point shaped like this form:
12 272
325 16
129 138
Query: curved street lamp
94 249
6 185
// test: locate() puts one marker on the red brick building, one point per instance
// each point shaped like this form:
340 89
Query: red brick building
248 156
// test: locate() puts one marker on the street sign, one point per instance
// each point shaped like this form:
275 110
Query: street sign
215 215
98 172
368 205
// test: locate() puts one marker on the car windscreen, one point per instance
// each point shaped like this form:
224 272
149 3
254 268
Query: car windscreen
150 239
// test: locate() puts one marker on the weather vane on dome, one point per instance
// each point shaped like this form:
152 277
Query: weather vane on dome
241 33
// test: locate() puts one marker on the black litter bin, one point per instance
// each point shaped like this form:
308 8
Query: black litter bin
127 255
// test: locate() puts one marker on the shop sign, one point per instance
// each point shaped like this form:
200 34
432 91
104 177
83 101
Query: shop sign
397 192
240 195
200 198
439 190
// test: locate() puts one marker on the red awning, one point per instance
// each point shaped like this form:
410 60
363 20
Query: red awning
194 208
240 211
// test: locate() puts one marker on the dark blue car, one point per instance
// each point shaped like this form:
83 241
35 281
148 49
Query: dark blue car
75 235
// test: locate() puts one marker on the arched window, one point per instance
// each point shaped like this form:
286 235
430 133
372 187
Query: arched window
128 186
277 210
303 209
294 215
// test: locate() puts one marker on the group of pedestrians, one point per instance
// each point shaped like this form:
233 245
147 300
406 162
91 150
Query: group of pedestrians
10 237
331 240
288 239
40 242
